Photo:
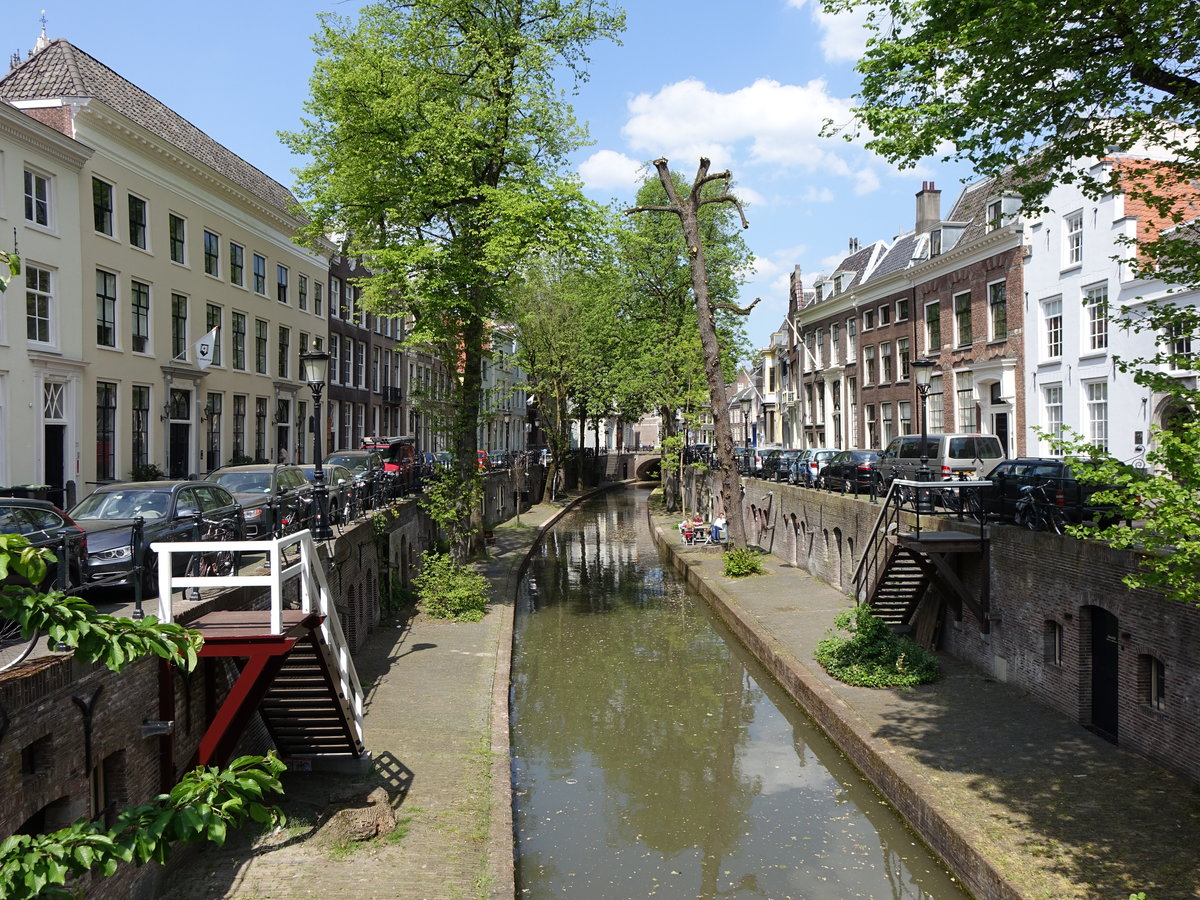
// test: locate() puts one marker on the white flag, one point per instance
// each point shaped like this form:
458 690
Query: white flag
204 349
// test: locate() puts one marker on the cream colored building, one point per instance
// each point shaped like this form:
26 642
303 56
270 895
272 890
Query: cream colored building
42 368
179 236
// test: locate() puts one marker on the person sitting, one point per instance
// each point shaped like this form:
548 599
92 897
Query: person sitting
688 531
697 519
716 532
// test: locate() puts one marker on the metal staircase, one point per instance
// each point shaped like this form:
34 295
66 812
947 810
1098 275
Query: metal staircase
297 670
902 560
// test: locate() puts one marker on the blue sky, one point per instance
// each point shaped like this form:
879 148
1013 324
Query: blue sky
747 84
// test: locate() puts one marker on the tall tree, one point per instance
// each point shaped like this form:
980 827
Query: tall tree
1034 95
708 189
438 142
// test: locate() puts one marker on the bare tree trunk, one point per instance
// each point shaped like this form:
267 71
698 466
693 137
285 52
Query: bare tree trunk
688 208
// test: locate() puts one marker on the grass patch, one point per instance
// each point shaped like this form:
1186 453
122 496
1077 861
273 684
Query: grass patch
742 561
873 655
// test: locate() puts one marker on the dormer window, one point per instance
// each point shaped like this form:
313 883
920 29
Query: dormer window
935 242
994 213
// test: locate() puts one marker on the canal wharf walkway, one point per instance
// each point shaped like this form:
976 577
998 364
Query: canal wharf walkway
1020 801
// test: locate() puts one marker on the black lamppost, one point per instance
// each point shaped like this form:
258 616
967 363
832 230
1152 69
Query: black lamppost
746 401
314 368
924 370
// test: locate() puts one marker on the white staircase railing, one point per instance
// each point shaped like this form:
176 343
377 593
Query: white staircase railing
314 596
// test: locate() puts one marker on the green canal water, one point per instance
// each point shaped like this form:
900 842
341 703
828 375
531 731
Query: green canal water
652 757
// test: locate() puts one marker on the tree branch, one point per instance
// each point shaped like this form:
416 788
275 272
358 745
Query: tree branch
733 307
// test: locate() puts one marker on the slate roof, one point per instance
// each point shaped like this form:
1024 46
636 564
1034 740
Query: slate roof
970 209
62 70
900 256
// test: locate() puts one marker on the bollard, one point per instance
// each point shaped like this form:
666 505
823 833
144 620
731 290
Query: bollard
194 564
137 537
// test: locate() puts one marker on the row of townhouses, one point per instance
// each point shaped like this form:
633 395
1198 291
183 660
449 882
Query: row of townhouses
139 235
1014 311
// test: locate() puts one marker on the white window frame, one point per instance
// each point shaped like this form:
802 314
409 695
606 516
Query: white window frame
1052 327
1095 315
32 269
1052 412
1073 239
36 206
1095 404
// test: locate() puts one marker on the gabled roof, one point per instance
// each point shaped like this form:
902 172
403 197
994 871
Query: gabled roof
61 70
908 250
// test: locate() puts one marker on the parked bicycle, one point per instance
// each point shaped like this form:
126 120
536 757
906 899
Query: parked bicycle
1037 509
222 562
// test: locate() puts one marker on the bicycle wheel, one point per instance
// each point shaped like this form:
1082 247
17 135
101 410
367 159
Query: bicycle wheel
975 506
1056 519
1023 518
13 647
221 563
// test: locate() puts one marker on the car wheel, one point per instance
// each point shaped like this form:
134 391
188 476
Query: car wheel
150 576
847 487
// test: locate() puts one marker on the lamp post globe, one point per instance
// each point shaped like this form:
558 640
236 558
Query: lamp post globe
314 369
922 373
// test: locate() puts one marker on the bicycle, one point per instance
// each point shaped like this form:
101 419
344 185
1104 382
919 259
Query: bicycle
964 500
13 646
222 563
1037 510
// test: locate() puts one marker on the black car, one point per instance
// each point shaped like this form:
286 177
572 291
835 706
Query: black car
340 485
168 510
367 468
277 498
44 525
849 470
1074 498
777 464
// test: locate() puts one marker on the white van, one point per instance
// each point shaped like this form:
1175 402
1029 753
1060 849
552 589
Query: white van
947 456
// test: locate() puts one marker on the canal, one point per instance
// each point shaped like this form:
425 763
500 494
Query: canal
653 757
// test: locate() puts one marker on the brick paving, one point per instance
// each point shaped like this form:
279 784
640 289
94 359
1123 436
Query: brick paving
1021 801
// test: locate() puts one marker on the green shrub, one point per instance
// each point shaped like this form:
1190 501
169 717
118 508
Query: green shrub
449 590
873 655
741 561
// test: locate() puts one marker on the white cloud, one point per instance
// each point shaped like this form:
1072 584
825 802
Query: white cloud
607 169
780 123
843 35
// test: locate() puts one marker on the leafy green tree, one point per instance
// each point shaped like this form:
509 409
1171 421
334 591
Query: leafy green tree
700 224
438 142
1034 95
12 263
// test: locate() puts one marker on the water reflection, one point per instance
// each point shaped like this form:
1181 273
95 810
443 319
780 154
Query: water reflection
652 758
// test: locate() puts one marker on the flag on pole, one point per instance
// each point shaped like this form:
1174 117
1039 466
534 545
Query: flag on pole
204 349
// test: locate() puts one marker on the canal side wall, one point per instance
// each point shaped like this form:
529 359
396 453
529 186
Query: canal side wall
1043 588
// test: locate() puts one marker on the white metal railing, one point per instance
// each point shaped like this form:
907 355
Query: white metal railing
314 595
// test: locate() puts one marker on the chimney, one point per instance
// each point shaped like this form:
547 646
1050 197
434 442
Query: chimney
929 207
853 245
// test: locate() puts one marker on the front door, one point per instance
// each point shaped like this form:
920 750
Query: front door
1104 672
1000 430
55 463
181 439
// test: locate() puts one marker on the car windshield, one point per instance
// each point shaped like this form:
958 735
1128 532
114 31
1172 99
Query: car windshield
123 505
353 463
244 482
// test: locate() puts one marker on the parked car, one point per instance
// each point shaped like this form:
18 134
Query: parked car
1010 475
341 485
44 525
499 459
811 463
277 499
946 455
777 464
850 470
399 454
365 465
168 511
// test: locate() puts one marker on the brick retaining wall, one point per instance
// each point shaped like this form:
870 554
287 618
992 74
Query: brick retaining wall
1038 581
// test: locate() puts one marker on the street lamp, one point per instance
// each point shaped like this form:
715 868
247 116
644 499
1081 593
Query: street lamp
924 370
314 368
746 401
507 431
